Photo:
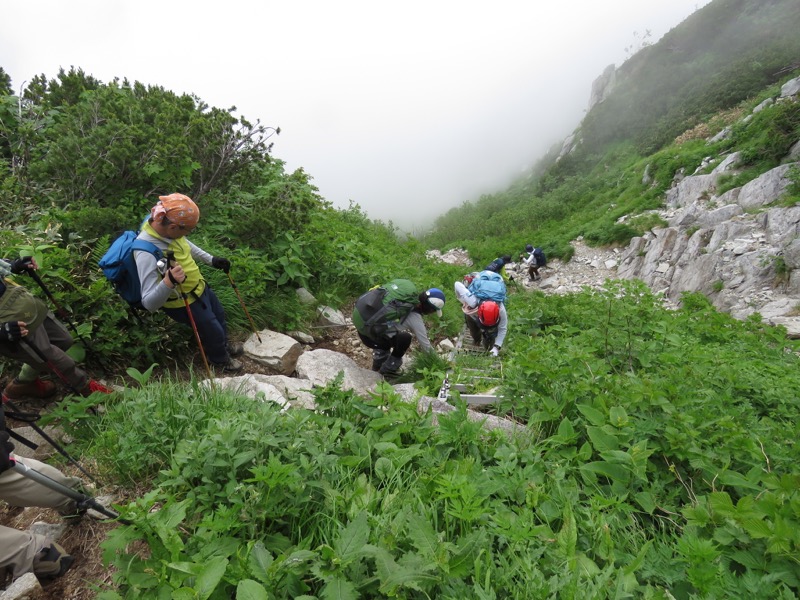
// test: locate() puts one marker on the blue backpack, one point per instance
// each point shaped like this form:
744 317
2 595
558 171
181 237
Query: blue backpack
489 285
120 268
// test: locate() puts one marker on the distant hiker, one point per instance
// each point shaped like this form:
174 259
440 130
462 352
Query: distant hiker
484 310
498 265
387 316
534 261
23 551
165 283
29 332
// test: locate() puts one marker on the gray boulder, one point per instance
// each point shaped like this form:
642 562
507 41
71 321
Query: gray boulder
321 366
275 350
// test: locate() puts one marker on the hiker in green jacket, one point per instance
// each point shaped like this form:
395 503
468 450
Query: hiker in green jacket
498 265
387 316
28 332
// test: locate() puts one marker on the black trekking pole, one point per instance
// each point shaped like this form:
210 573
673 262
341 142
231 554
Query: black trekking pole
64 315
82 500
238 295
29 419
170 257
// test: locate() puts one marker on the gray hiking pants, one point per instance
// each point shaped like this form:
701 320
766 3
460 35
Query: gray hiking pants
18 548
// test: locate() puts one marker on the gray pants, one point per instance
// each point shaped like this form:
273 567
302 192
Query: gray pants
18 548
51 338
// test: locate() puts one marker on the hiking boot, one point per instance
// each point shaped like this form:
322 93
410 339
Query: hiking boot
378 358
38 388
235 348
52 561
391 367
95 386
232 366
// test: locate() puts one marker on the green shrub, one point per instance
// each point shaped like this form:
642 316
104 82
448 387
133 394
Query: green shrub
606 234
644 223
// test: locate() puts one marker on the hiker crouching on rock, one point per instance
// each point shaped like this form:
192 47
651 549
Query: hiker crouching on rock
31 334
486 319
498 265
166 283
23 551
387 316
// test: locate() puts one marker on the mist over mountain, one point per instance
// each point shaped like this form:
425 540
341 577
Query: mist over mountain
697 76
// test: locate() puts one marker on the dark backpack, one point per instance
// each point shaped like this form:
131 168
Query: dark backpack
496 265
120 268
488 285
380 311
541 259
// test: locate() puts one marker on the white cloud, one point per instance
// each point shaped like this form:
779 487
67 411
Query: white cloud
406 108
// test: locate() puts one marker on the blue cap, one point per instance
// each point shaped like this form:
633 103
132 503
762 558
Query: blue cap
435 298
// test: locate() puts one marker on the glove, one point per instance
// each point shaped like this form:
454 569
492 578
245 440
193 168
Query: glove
221 263
6 448
494 351
20 265
10 331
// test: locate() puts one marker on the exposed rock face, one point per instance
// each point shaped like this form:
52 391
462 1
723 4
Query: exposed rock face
731 247
603 86
791 88
740 248
454 256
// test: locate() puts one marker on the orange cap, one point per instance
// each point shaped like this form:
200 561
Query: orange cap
179 209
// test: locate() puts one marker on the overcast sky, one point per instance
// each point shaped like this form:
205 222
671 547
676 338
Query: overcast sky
405 108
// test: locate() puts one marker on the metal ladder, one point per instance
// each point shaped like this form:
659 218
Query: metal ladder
475 375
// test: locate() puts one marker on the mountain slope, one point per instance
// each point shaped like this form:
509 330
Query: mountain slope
725 58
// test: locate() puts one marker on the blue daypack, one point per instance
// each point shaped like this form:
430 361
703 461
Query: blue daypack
489 285
120 268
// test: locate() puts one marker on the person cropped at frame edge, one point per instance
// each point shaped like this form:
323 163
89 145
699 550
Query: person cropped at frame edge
29 333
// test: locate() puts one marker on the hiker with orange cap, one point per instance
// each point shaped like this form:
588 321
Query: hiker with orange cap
169 284
486 318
